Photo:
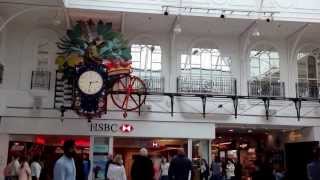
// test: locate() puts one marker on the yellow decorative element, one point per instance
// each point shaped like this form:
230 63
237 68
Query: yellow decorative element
60 61
119 70
73 60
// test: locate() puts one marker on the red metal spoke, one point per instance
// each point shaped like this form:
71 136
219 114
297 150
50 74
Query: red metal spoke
132 83
124 101
124 86
134 100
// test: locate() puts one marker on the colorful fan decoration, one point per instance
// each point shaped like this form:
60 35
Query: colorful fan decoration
89 42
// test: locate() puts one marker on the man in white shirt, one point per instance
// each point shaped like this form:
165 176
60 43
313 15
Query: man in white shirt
15 167
36 168
65 168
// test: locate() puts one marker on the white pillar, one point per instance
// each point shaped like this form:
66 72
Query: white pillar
91 155
190 148
111 145
4 146
210 152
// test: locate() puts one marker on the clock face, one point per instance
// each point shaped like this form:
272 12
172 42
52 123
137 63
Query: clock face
90 82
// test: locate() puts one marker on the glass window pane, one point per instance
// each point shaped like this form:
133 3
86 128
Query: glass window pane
264 63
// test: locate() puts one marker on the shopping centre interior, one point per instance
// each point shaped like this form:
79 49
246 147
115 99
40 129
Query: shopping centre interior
219 79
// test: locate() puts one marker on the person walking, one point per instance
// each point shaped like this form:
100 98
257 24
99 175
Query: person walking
14 167
65 168
116 169
25 170
36 168
230 170
204 170
180 167
216 169
313 168
7 171
142 167
109 161
164 168
86 165
238 171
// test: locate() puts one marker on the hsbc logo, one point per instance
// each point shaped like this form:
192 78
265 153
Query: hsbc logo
126 128
114 128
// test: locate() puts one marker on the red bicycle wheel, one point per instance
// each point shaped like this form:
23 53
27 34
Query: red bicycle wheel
128 93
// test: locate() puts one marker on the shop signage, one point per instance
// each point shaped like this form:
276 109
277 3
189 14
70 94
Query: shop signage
111 127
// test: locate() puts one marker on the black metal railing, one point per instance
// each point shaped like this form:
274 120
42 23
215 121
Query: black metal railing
154 84
265 88
216 85
307 89
40 80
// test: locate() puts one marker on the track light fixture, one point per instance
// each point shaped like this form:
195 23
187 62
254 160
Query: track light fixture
166 12
268 20
222 16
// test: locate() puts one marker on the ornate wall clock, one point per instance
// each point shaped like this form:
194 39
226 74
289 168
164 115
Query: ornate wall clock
90 90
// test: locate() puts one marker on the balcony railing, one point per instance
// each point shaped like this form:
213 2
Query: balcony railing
216 85
154 84
308 89
263 88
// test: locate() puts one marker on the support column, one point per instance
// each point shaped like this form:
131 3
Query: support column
210 152
190 148
4 146
204 149
91 155
111 145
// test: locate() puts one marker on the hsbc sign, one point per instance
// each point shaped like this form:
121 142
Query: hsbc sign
111 127
126 128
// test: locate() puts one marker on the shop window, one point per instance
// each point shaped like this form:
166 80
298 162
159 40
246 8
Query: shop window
308 73
146 63
1 73
205 70
264 64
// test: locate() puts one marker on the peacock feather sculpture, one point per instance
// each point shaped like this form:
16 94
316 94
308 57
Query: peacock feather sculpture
89 42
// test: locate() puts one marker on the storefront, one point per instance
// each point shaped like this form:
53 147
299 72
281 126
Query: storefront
98 138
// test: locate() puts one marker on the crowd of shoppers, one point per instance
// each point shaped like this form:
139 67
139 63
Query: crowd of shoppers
144 168
20 169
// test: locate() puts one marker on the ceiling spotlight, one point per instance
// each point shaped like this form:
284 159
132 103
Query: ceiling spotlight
256 32
166 13
177 28
56 22
250 131
230 130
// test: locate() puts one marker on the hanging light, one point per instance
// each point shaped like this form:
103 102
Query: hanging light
256 32
177 28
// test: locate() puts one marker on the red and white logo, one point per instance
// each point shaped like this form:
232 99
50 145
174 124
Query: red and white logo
126 128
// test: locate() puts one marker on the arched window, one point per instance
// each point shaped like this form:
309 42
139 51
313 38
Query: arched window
308 72
205 70
41 76
146 63
264 64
